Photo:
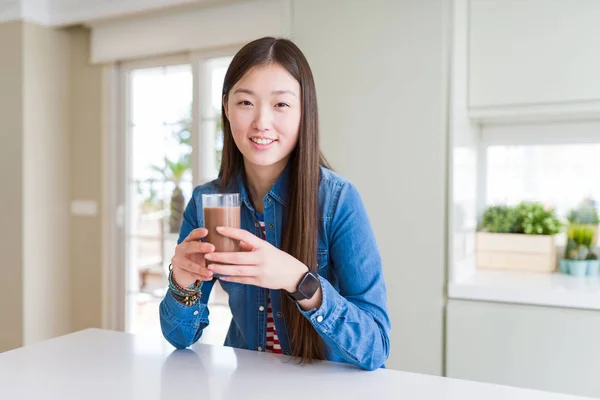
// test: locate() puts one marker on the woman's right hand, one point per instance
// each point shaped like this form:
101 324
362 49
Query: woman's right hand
188 262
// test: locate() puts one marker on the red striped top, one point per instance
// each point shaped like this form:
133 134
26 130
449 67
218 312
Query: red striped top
272 344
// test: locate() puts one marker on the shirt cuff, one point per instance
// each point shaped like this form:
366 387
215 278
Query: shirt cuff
180 313
325 316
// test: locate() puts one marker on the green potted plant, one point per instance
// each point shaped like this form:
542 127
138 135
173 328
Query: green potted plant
579 259
585 214
519 238
173 171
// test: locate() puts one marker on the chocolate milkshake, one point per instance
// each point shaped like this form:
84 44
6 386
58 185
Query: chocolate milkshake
221 210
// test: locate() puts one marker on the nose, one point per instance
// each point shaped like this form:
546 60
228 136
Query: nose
262 119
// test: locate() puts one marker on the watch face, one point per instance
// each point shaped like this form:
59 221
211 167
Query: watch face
309 285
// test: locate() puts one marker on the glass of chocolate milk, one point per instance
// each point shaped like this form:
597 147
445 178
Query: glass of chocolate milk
221 210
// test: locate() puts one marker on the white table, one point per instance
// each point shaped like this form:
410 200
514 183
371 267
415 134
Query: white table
98 364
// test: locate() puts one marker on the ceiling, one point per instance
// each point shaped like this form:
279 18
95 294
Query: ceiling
72 12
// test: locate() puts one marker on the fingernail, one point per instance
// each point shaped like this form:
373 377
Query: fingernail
220 228
210 268
207 256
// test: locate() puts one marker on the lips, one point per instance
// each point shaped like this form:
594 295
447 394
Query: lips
262 143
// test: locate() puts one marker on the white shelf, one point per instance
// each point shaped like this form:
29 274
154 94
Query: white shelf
555 290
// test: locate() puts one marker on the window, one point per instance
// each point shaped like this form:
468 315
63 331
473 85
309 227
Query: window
558 175
555 163
172 141
159 182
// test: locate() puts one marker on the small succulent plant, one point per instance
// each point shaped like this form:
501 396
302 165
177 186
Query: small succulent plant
580 243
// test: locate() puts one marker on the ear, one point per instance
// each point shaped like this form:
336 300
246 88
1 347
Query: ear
225 106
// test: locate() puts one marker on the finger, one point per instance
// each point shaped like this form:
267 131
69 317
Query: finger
197 247
245 246
246 280
196 234
188 265
205 275
243 257
241 234
234 270
202 277
183 274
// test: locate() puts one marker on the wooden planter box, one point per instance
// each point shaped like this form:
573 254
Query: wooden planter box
516 252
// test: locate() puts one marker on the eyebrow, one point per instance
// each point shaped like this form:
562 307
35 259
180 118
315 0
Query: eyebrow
276 92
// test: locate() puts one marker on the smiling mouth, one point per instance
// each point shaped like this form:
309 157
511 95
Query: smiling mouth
262 141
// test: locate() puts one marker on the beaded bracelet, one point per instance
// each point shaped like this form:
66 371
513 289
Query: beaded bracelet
193 288
187 296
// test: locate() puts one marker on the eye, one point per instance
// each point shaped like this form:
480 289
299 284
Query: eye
281 105
245 103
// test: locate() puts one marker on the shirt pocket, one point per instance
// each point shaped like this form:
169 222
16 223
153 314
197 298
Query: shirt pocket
232 288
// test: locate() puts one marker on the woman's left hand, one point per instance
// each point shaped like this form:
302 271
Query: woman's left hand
262 265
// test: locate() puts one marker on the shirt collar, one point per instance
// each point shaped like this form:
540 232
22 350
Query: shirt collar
278 192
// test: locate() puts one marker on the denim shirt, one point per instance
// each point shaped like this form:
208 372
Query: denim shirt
352 320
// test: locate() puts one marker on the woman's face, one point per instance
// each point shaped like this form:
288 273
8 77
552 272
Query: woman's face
264 110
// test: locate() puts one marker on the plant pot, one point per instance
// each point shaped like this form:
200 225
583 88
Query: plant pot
563 266
593 267
516 252
578 268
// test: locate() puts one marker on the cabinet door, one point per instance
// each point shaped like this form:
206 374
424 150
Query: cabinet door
532 53
545 348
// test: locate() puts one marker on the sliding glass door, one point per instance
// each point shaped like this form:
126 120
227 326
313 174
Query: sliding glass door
172 141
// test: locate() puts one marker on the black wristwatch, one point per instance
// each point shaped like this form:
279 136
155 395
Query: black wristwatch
307 287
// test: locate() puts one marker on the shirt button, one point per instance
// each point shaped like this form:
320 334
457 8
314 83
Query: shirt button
320 318
196 312
261 308
279 314
259 348
268 199
270 226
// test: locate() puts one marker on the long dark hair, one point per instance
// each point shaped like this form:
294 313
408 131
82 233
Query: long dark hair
301 230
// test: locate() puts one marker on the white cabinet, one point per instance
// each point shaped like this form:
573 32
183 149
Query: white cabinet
546 348
532 56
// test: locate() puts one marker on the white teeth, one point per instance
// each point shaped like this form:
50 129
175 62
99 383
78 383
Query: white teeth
262 141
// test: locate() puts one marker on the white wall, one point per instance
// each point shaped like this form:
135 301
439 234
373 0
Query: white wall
34 243
11 176
10 10
86 181
46 285
380 74
464 142
175 31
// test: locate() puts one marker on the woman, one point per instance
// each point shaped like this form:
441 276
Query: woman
309 282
